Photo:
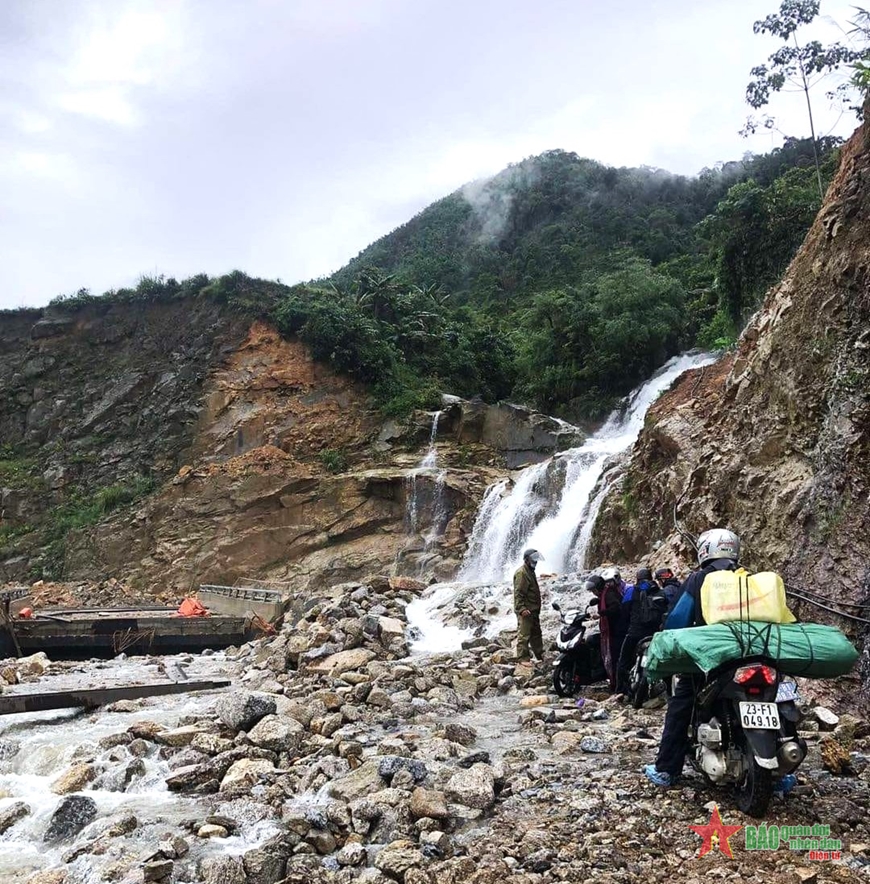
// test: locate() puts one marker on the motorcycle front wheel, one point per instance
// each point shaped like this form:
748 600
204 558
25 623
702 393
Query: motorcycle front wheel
755 790
563 679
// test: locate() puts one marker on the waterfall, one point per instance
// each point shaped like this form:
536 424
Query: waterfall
426 513
508 523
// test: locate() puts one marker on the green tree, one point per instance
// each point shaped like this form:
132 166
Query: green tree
800 66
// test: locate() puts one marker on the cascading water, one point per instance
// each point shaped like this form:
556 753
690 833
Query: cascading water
426 512
561 530
427 465
529 514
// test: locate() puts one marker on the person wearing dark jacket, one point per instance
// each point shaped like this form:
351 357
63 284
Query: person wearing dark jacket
667 580
718 550
613 625
527 606
644 606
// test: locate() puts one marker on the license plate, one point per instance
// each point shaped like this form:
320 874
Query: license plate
759 716
787 691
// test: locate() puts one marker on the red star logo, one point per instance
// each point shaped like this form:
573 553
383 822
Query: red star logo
716 834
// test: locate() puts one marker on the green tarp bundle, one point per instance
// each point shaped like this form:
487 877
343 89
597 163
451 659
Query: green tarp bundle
807 649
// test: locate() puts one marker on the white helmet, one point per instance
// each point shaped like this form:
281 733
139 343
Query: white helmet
718 543
609 574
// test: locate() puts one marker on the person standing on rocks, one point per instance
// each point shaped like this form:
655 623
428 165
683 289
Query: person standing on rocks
644 606
613 627
527 606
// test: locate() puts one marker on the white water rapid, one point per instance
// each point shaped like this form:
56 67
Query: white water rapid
560 528
36 748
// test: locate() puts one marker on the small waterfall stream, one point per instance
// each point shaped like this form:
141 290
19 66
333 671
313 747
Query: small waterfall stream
426 513
528 514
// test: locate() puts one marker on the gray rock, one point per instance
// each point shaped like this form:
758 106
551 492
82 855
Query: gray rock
280 734
241 710
474 787
157 870
264 866
460 733
397 857
222 870
71 816
391 764
593 744
10 816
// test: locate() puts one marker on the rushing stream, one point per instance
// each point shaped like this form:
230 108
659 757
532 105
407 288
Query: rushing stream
527 512
36 748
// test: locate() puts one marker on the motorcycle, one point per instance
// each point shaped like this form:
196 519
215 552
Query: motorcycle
744 731
639 688
579 642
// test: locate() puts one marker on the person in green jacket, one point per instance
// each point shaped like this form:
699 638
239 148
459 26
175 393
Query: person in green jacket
527 606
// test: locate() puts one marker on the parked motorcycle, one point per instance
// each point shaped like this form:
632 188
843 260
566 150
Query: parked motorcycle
744 731
639 688
579 642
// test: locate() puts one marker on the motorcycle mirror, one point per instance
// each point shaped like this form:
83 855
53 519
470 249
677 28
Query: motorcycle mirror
556 606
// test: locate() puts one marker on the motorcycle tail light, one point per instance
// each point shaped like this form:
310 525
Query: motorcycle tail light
755 673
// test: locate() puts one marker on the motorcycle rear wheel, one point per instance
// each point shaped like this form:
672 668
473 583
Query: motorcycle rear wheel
640 692
755 791
563 680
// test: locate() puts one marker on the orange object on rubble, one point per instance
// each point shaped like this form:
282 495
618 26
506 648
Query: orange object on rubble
192 608
25 613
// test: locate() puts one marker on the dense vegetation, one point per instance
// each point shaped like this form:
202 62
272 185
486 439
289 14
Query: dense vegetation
560 281
592 276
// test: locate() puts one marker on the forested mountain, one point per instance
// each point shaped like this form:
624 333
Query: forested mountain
595 274
560 282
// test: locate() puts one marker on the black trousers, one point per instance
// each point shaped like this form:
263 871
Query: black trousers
626 659
675 735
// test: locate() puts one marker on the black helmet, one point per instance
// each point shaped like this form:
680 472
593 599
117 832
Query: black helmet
665 574
594 584
643 574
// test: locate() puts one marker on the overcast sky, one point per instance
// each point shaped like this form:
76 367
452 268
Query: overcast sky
281 137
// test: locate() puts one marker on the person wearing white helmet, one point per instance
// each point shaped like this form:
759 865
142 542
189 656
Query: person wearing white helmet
527 606
718 550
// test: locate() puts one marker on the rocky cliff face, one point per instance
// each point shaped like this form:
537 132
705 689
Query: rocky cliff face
169 444
774 440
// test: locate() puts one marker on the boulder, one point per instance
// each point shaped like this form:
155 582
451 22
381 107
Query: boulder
246 772
594 745
74 779
157 870
474 787
241 710
362 781
397 857
178 737
222 870
429 803
335 664
280 734
35 664
10 816
264 866
71 816
460 733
